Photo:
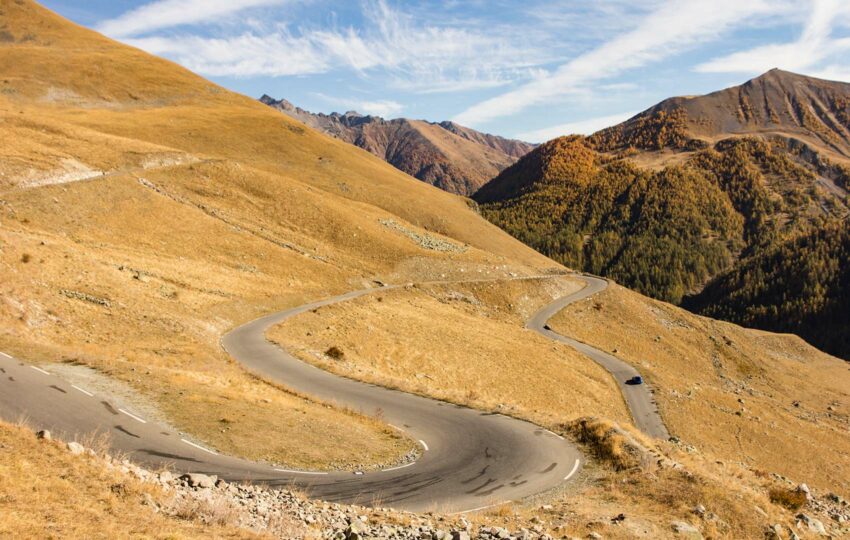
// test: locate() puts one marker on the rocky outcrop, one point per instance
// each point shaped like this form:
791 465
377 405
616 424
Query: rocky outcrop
449 156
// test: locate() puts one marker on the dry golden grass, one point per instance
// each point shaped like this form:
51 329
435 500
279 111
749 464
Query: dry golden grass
145 211
767 400
45 492
463 343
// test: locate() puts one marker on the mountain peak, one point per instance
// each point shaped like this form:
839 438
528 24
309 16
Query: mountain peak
447 155
777 103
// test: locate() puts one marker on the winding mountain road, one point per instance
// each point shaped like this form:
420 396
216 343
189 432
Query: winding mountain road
638 396
470 459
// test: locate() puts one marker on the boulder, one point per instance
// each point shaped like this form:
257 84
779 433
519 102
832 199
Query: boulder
76 448
356 530
814 525
686 530
165 478
197 480
774 532
43 434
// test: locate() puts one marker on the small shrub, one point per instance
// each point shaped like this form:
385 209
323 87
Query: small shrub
789 498
335 353
26 257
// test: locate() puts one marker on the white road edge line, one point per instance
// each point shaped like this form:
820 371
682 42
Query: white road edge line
480 508
296 472
399 467
40 370
425 446
6 355
86 392
199 447
572 472
555 434
133 416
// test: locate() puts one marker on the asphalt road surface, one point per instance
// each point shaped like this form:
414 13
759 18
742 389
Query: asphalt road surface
470 459
638 397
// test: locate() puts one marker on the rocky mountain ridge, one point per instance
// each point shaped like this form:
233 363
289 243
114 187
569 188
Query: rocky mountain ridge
452 157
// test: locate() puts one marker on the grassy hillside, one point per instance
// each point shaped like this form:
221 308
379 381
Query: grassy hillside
49 493
768 400
145 211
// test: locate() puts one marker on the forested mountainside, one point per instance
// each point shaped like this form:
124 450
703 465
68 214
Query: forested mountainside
666 202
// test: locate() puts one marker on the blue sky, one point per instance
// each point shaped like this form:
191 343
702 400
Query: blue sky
531 69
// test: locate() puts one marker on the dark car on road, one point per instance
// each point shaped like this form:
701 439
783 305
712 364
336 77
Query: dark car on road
637 379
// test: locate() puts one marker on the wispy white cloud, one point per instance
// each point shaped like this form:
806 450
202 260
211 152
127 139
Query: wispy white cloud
383 107
245 55
582 127
414 56
668 30
170 13
815 44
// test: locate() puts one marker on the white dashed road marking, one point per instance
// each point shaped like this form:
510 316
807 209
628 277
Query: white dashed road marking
86 392
199 447
480 508
133 416
572 472
425 446
399 467
299 472
40 370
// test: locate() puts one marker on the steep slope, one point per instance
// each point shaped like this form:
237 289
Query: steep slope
801 285
452 157
780 103
679 194
146 210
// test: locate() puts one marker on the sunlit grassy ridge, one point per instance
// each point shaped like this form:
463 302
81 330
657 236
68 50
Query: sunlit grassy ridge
145 211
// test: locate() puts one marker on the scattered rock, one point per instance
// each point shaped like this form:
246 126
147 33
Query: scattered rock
774 532
813 525
165 478
44 434
686 530
699 510
76 448
197 480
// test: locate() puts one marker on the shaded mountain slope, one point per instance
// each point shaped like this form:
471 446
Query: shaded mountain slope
452 157
801 285
688 189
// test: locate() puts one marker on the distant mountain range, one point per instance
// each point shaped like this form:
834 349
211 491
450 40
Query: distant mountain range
454 158
710 201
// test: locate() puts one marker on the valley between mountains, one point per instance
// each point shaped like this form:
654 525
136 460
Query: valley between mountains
165 246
